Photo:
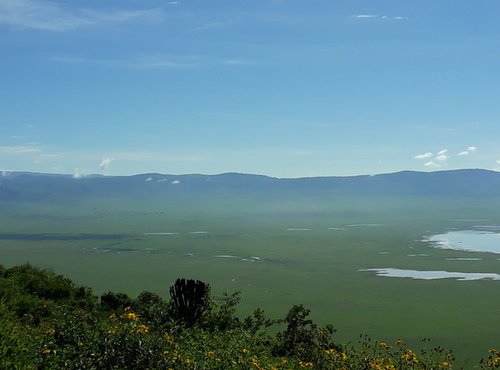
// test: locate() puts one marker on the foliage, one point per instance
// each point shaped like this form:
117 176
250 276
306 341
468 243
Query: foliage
47 322
189 300
32 293
302 336
114 301
16 341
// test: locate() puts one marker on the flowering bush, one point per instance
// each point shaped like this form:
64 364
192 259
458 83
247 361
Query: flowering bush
70 329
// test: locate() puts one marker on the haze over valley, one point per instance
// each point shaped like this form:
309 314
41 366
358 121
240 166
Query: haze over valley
332 242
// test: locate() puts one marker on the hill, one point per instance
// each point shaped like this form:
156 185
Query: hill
25 186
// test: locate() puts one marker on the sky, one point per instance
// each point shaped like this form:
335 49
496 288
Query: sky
285 88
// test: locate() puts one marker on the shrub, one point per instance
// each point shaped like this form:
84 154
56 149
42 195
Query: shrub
114 301
190 299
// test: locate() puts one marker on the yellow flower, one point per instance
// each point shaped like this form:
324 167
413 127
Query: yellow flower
80 344
384 345
142 329
330 351
188 362
51 331
245 351
46 351
127 308
446 364
210 353
306 364
169 338
132 316
400 343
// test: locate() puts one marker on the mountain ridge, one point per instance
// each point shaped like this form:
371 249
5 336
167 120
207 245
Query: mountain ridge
464 182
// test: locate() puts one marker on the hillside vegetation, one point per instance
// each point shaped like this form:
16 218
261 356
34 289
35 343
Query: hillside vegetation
48 322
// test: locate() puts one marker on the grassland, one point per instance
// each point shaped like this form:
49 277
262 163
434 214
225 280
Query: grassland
101 243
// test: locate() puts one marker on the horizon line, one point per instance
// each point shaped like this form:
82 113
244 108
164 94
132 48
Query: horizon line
93 175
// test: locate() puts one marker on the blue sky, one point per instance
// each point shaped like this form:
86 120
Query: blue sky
285 88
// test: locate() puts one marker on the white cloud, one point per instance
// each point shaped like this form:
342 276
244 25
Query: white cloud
497 168
442 152
470 149
442 157
52 16
19 149
105 163
155 61
77 174
371 16
424 155
149 15
175 182
432 164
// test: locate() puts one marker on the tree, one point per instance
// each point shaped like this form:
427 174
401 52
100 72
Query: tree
190 299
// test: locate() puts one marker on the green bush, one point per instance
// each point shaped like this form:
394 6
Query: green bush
61 326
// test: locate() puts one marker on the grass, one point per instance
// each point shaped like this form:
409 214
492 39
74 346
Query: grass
318 268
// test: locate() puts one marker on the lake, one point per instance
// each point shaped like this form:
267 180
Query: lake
467 240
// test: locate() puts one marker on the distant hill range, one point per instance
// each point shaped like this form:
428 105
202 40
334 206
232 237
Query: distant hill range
25 186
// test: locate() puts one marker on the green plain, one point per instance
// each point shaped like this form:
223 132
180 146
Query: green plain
101 243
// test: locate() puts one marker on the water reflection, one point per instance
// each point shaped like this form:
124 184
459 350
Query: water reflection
432 275
467 240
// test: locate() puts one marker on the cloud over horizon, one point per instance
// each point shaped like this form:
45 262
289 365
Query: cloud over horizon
441 156
105 163
470 149
432 164
424 155
440 159
20 149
